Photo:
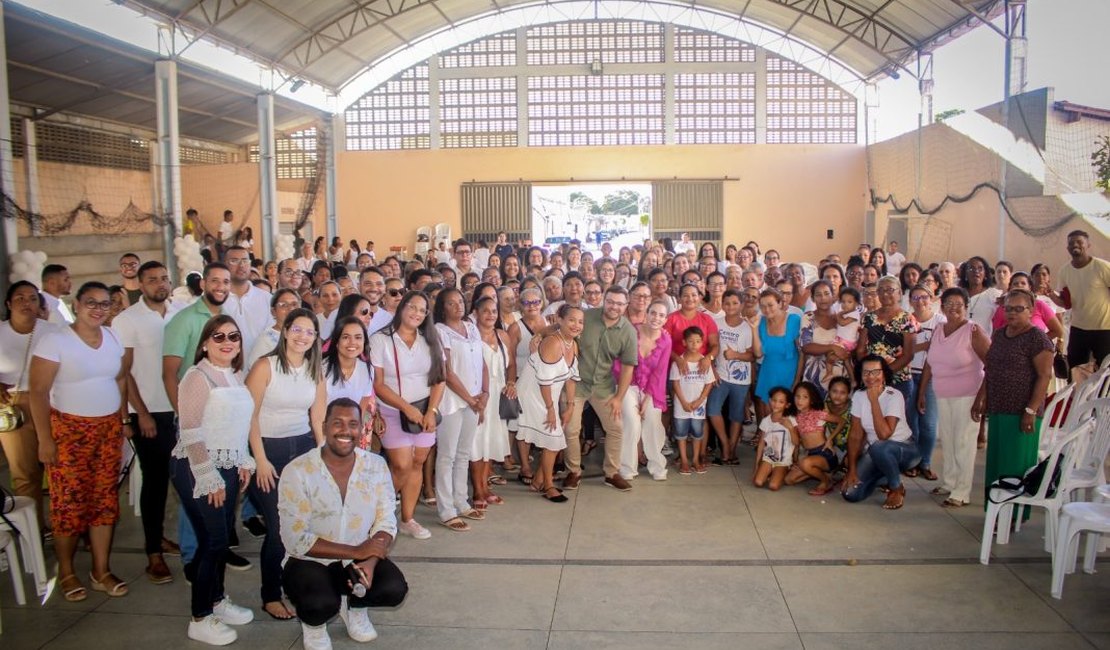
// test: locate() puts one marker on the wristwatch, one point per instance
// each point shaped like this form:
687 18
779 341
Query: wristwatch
1029 411
126 420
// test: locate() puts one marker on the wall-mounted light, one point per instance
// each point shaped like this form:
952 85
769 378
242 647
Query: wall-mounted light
596 67
297 85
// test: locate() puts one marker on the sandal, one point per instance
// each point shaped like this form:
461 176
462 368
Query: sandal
496 479
75 591
953 503
895 499
526 480
480 505
428 501
495 500
277 617
940 492
588 446
456 524
821 491
928 475
472 513
912 473
558 497
109 584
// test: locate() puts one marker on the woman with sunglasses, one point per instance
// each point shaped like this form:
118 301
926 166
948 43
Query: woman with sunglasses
289 396
409 368
77 388
211 465
520 341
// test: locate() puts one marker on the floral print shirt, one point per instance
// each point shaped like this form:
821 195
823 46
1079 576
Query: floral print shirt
886 339
311 507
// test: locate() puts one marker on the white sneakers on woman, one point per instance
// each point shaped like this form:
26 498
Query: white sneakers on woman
214 629
413 529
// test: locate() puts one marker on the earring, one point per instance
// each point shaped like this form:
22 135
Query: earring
204 349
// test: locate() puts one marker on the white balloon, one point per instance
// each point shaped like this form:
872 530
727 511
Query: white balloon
20 268
40 256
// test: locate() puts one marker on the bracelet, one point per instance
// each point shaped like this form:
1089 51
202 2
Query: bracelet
126 420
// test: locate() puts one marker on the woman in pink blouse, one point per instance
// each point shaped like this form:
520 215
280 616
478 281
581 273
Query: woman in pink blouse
646 398
1044 316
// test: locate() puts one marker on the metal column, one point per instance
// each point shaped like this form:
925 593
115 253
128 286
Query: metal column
267 169
1014 84
9 233
169 170
31 168
335 136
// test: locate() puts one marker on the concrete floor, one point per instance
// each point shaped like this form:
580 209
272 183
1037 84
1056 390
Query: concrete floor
701 561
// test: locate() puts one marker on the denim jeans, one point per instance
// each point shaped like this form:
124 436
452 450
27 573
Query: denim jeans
924 425
883 462
211 526
279 451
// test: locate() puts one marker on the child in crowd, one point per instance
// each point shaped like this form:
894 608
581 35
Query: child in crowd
847 325
778 439
691 389
811 420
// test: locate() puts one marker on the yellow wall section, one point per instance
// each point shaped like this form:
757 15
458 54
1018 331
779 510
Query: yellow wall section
786 198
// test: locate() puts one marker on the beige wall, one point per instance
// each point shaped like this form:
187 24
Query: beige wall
62 186
786 198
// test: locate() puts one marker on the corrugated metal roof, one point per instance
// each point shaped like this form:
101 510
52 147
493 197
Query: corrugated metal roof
329 42
56 66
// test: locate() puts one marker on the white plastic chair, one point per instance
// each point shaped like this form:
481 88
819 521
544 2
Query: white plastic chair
1055 417
999 517
7 549
24 518
1076 518
1090 465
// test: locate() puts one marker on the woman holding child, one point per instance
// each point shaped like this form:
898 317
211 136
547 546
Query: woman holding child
824 359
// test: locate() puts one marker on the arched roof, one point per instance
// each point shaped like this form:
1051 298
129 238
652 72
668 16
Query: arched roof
332 42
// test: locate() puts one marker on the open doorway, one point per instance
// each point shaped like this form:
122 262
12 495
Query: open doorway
593 213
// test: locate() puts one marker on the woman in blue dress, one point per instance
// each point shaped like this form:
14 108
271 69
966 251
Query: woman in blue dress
782 359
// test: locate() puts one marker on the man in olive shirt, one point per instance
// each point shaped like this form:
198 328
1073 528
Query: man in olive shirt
606 336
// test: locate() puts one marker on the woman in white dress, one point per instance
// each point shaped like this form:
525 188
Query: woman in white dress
520 340
550 369
491 441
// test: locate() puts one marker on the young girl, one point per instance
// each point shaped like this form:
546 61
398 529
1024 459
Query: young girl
778 439
847 323
811 426
691 389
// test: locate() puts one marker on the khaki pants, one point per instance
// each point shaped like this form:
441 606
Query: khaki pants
21 447
614 432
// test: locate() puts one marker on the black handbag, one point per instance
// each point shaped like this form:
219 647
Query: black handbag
1060 366
407 425
508 408
1030 483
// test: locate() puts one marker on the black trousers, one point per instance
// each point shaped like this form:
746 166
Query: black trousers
315 589
154 462
1084 344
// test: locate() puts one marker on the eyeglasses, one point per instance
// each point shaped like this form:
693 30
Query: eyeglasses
872 372
616 303
94 305
1015 309
242 261
920 299
289 273
531 303
287 305
220 337
418 310
129 265
888 290
953 304
307 331
395 293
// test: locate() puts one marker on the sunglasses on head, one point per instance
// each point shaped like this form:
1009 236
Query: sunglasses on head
220 337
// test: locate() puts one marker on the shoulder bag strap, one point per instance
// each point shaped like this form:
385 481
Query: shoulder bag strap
397 366
26 355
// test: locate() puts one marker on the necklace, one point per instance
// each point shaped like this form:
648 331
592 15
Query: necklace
563 339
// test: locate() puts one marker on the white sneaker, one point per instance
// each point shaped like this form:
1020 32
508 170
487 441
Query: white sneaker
413 529
358 623
660 477
232 614
316 637
211 630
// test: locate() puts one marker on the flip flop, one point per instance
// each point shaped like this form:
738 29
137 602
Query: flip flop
526 480
472 513
495 500
496 479
820 492
456 524
275 616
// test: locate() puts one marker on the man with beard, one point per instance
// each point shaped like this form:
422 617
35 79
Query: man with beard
1085 290
179 348
371 285
129 277
140 330
246 303
337 524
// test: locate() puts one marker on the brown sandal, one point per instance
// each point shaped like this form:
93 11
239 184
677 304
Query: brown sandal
456 524
895 499
109 584
72 589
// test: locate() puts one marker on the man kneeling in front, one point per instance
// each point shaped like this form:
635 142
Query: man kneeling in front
337 523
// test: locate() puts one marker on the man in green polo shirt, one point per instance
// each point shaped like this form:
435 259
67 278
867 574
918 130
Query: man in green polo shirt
606 336
179 345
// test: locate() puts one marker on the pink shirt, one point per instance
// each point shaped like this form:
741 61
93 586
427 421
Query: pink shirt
1042 313
957 370
650 375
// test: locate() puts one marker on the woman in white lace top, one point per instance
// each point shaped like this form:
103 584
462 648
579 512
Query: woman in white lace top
211 463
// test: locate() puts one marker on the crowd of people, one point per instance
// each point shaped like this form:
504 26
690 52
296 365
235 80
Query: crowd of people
337 392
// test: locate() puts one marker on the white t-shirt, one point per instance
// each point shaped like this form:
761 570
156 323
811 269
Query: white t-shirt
86 381
690 385
849 332
141 328
892 403
251 313
683 247
361 383
60 313
225 231
466 362
778 446
263 345
981 308
924 335
415 364
737 339
14 357
894 262
443 257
